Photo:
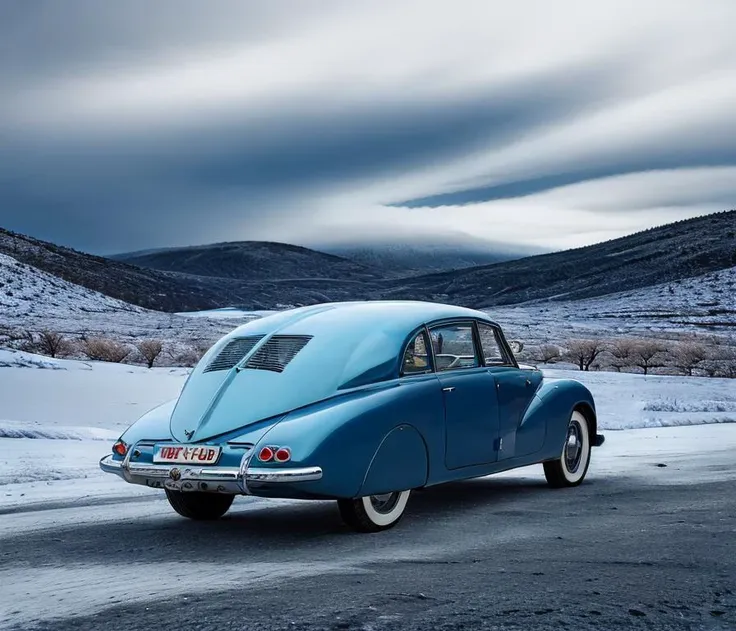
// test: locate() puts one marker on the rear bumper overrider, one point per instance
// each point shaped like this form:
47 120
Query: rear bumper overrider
232 480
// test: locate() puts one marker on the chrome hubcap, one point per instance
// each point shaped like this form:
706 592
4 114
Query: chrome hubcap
573 447
385 502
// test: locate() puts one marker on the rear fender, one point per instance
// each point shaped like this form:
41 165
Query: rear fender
401 462
353 438
557 401
154 425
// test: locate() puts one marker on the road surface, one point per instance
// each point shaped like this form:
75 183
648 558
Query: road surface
638 545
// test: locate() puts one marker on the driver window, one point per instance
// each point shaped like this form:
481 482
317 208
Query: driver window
454 347
416 359
492 351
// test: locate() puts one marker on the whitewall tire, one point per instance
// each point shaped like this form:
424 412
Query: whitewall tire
374 512
572 465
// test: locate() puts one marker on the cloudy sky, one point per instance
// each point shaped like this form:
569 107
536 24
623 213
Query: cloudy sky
137 124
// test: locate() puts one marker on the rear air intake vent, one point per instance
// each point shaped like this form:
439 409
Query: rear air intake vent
276 354
233 352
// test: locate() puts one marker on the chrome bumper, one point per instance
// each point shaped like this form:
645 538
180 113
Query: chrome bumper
208 479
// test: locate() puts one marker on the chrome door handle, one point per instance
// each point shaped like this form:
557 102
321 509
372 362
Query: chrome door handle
448 389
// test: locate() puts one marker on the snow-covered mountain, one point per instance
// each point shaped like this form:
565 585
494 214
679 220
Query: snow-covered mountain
28 291
32 300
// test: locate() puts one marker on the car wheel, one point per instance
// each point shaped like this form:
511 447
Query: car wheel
374 512
570 468
200 506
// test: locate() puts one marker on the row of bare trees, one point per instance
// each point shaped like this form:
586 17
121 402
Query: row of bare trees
687 357
98 348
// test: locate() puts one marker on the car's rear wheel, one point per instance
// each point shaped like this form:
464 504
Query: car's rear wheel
570 468
374 512
200 506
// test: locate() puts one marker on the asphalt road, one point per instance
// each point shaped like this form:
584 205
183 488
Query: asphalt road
623 551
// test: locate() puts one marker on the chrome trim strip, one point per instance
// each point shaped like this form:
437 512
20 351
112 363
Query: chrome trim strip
235 479
108 465
305 474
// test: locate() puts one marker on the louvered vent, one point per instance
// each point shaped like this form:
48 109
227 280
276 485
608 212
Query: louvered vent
233 352
276 354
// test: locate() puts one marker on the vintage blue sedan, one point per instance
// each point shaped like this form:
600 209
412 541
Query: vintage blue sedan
360 402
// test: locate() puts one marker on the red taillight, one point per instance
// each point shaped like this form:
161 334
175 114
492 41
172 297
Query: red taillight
283 454
265 454
120 448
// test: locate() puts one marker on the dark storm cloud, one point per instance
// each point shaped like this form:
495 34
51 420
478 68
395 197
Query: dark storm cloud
119 193
694 158
46 38
134 124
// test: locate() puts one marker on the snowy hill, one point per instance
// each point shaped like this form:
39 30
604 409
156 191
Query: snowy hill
704 304
27 291
665 254
250 260
32 300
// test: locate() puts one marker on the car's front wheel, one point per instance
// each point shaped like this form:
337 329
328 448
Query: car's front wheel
200 506
570 468
374 512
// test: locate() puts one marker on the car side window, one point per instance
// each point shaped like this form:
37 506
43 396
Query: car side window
492 352
416 357
454 347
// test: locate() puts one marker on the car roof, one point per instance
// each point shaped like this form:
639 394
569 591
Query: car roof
347 319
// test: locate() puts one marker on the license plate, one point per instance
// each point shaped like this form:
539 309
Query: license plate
187 454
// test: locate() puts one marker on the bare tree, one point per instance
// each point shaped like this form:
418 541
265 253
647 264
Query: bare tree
546 354
721 363
12 337
53 344
687 356
648 354
150 350
584 352
622 352
105 350
184 356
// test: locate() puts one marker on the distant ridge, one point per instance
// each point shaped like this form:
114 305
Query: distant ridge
250 260
262 275
675 251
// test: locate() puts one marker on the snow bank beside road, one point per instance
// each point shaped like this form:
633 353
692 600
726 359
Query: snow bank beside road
36 430
628 401
81 394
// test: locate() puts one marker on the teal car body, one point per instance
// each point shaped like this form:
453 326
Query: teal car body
364 398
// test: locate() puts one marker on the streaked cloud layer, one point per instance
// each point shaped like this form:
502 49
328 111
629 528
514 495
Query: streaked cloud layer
553 124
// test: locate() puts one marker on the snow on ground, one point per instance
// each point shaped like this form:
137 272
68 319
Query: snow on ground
67 417
226 313
81 393
704 304
629 401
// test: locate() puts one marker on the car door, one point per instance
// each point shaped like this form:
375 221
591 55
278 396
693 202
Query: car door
469 394
515 389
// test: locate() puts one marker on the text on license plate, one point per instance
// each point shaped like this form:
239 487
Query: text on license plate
187 454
